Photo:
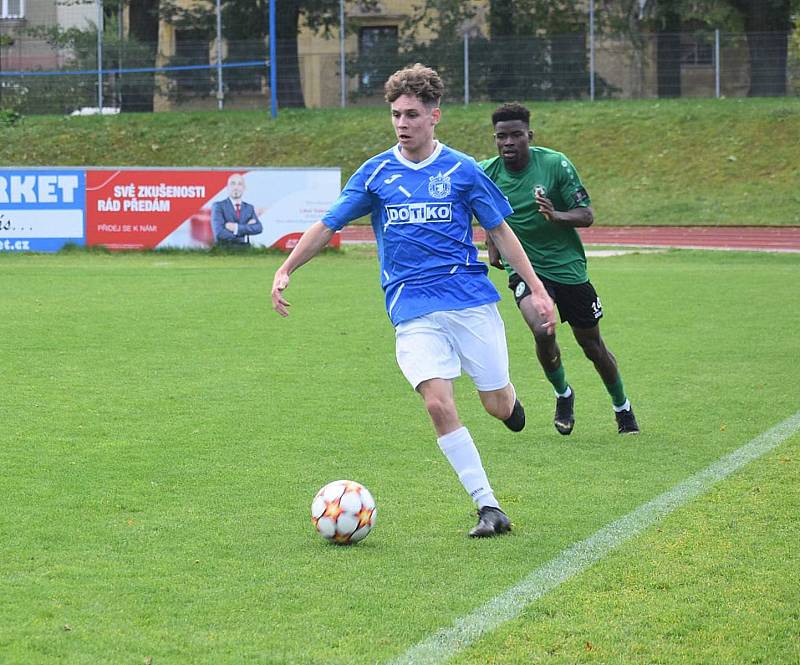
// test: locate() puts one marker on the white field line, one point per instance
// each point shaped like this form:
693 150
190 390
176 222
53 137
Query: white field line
447 642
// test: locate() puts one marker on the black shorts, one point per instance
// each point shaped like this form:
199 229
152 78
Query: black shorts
578 304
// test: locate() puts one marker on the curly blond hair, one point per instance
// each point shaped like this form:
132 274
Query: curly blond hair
418 80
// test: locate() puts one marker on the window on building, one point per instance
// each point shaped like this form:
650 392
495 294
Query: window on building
12 8
377 56
696 50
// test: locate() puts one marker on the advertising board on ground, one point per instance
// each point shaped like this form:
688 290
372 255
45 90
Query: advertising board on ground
120 208
41 210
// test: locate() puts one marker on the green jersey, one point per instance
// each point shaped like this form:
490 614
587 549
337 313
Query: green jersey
555 251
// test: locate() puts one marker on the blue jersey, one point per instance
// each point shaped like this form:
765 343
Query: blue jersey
422 218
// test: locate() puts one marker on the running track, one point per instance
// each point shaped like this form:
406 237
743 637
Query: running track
755 238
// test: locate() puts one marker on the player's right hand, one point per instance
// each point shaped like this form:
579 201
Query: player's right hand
546 207
279 283
494 255
545 311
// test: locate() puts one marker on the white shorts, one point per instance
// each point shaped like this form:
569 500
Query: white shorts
440 344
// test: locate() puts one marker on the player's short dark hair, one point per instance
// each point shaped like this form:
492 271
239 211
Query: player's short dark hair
511 111
418 80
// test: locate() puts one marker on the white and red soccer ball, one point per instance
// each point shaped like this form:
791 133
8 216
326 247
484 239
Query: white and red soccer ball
343 512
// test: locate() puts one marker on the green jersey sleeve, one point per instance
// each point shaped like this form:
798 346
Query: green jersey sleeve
569 185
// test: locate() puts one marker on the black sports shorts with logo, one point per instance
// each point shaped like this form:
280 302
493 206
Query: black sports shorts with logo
578 304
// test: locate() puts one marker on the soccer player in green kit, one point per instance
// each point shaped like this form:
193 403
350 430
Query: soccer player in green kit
550 202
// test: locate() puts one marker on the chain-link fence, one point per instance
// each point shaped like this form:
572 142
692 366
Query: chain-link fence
38 75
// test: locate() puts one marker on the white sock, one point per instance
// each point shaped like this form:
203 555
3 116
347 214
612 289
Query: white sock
459 449
624 407
567 392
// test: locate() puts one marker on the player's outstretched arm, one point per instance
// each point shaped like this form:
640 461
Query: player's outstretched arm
509 246
310 244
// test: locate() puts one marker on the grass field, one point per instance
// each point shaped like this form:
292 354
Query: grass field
674 162
163 433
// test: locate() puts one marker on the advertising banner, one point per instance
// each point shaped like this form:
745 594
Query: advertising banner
147 209
41 210
119 208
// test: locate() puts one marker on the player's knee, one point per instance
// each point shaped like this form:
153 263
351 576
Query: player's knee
545 343
593 349
439 408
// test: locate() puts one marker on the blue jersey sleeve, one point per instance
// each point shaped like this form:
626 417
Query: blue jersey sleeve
489 205
355 201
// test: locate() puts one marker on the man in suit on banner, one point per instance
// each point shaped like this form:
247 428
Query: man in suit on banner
233 220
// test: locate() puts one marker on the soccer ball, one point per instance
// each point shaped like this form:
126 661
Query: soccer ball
343 512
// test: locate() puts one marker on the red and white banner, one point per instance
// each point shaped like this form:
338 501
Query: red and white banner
147 209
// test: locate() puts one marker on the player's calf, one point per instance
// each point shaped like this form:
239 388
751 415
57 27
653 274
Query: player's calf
516 421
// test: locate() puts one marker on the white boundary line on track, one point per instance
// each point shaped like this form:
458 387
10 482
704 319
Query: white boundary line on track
641 248
446 643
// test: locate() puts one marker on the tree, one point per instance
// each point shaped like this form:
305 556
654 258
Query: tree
545 54
287 26
137 92
534 49
668 48
628 18
320 16
143 20
767 24
249 20
78 46
434 34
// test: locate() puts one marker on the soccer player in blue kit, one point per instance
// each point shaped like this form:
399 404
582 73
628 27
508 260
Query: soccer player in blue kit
421 196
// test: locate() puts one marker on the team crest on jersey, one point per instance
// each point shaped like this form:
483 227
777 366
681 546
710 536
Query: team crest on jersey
439 186
539 190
